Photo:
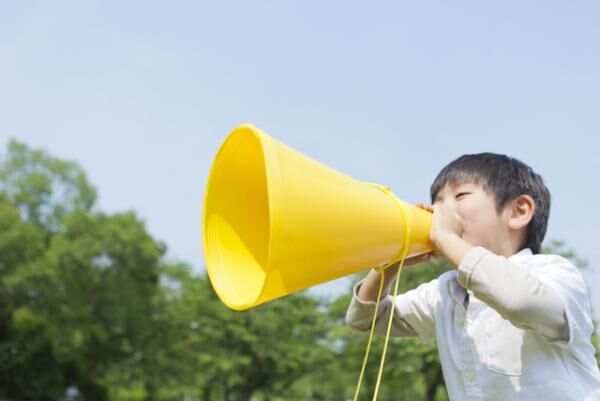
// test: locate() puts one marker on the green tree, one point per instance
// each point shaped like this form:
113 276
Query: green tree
44 189
235 356
77 287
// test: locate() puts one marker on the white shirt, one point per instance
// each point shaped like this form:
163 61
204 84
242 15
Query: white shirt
507 329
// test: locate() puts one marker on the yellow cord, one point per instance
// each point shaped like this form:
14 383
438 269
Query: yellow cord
401 258
365 359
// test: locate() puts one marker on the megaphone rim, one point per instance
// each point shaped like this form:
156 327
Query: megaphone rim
272 173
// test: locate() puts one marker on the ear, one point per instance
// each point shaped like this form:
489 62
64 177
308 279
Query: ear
521 212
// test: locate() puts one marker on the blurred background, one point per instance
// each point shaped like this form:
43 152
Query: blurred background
110 116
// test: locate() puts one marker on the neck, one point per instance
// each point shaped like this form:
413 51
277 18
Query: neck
512 244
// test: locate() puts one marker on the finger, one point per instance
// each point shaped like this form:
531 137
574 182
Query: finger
424 206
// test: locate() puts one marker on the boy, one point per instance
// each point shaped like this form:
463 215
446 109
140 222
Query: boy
510 323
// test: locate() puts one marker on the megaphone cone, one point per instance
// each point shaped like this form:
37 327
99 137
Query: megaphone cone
276 221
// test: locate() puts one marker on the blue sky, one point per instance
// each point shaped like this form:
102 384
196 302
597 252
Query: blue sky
142 93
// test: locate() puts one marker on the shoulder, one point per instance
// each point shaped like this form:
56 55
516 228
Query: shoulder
440 282
432 290
558 269
552 264
439 288
550 258
447 277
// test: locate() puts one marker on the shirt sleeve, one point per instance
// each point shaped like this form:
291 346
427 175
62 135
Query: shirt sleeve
413 313
528 299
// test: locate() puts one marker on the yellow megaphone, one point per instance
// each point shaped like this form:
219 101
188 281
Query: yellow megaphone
276 221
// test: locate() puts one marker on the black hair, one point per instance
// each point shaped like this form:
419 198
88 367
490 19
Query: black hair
505 178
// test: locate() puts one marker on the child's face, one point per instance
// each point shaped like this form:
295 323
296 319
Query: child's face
481 223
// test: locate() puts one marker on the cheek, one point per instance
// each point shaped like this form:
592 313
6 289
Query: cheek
467 214
473 221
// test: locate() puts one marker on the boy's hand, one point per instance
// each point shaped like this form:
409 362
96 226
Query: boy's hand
446 235
445 221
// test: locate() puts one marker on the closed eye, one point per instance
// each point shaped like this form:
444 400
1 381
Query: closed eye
459 195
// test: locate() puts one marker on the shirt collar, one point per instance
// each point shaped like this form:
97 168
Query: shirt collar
456 291
522 252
